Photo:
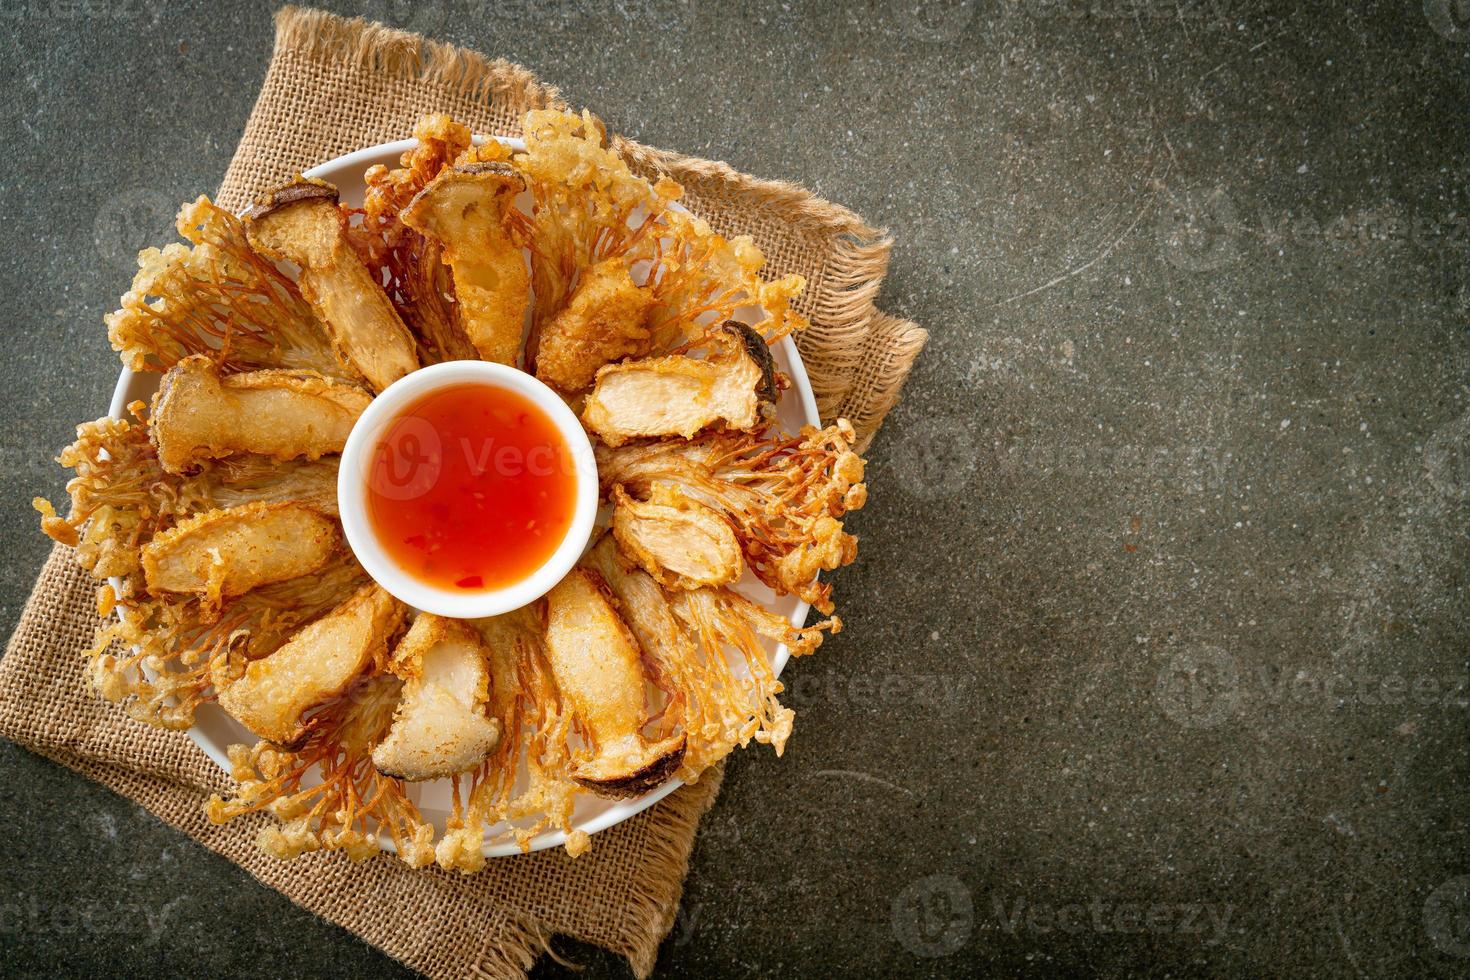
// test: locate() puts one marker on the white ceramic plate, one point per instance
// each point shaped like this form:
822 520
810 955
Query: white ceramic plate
214 731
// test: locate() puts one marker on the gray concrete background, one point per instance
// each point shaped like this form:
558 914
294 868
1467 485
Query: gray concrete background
1156 658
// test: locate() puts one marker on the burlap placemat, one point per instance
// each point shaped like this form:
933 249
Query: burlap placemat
333 86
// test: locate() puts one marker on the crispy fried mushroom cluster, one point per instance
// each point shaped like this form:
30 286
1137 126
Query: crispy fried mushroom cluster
210 516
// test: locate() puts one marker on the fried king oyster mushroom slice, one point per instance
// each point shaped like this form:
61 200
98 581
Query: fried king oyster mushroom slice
598 669
226 553
680 395
300 222
273 694
464 209
200 414
604 320
680 542
440 727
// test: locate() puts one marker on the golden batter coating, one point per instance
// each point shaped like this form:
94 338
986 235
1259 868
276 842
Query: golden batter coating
603 322
226 553
200 414
274 694
680 542
597 666
465 211
679 395
440 727
300 222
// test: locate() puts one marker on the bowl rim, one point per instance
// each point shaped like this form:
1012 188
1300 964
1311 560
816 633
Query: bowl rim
353 489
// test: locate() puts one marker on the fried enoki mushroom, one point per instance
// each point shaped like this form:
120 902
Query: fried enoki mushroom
535 726
724 620
588 208
441 140
700 279
595 222
199 413
121 496
160 656
245 477
785 496
687 639
118 496
326 795
220 299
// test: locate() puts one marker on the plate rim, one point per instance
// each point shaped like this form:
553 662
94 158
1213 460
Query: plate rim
620 810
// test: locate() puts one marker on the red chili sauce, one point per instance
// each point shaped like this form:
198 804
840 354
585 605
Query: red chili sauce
472 487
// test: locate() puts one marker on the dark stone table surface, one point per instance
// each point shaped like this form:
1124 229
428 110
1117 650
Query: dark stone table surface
1156 659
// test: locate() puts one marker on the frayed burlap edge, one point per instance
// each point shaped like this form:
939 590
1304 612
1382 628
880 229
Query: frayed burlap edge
514 946
47 706
387 51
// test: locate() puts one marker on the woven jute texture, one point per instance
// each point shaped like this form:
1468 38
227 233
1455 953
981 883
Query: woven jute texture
333 86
